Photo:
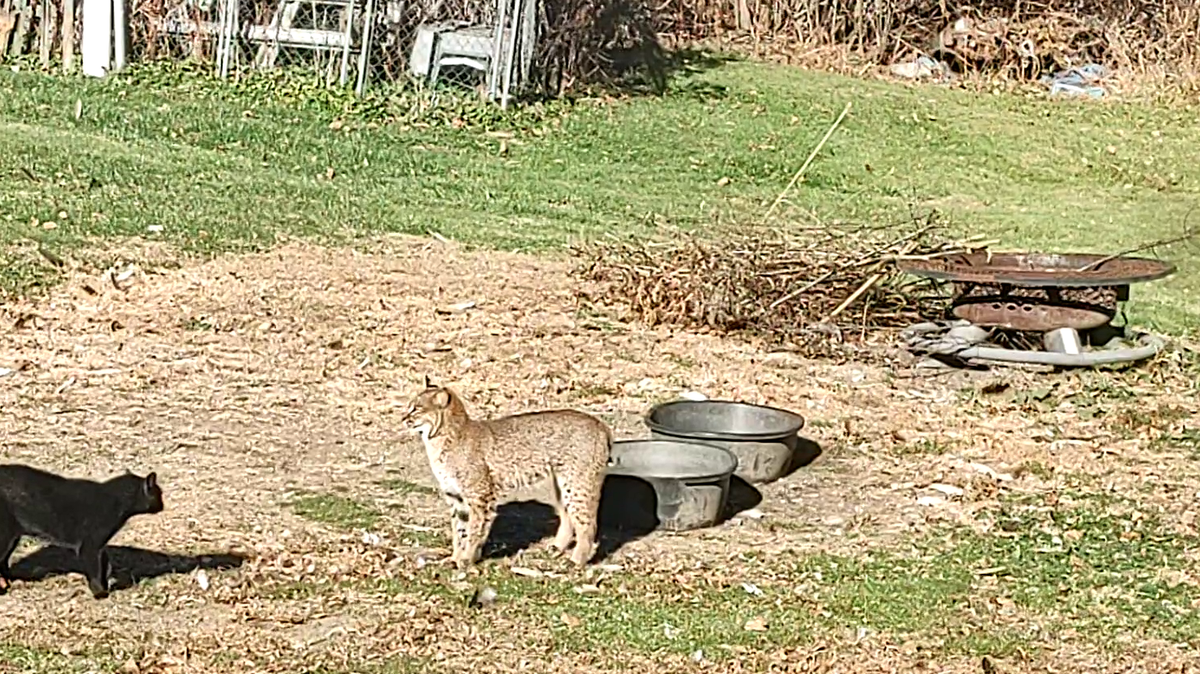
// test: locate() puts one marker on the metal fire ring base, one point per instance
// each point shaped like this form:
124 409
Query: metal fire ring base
1038 292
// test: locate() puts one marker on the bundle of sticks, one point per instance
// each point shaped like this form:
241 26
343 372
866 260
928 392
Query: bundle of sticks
771 283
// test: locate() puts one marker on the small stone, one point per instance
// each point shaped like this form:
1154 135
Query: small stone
758 624
783 359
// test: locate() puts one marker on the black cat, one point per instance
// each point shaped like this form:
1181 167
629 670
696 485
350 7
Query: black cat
82 515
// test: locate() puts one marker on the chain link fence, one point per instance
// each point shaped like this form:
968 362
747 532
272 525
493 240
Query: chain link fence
497 48
481 45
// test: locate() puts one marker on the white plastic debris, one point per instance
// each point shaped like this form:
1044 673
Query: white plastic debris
947 489
753 589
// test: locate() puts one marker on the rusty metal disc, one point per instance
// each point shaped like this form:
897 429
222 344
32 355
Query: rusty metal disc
1036 309
1015 313
1040 269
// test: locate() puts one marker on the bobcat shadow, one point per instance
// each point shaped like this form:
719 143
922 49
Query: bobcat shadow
129 565
628 512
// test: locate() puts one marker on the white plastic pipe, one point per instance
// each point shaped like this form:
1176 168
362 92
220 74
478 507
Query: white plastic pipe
120 27
96 43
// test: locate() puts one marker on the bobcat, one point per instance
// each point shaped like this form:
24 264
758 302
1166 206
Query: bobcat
479 463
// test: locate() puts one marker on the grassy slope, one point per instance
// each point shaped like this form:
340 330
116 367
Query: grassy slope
218 173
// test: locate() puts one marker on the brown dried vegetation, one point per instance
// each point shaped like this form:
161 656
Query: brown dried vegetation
808 289
996 37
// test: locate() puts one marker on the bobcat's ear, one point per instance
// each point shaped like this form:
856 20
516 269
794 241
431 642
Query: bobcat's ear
442 399
428 383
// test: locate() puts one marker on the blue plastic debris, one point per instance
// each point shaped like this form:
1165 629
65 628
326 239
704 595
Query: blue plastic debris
1078 81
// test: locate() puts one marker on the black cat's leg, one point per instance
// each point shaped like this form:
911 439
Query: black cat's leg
8 542
6 550
95 567
105 569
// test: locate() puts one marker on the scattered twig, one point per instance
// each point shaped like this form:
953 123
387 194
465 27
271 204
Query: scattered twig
855 295
811 156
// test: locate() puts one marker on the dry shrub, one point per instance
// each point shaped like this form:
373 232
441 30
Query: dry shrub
784 287
1012 37
584 43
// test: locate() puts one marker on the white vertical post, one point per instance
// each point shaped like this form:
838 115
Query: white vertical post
494 66
120 25
510 53
96 44
228 12
222 38
364 48
345 73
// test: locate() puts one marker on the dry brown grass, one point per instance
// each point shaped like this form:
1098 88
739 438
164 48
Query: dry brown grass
245 380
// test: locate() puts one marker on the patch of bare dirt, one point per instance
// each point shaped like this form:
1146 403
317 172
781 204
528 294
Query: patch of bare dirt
245 379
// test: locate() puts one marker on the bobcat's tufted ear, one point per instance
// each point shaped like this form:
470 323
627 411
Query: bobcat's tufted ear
428 382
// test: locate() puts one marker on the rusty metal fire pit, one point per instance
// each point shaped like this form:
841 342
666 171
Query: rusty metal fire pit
1039 292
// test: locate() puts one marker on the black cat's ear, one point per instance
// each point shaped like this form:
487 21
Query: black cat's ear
151 481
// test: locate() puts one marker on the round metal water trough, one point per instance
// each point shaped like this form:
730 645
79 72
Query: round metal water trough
690 480
763 438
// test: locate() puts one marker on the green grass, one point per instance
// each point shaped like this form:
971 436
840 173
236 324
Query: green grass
406 487
18 658
1089 567
335 510
223 169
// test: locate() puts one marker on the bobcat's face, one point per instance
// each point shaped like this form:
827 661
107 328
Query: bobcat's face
425 410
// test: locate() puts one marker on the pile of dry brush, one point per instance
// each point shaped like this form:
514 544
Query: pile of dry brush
1016 37
784 287
588 42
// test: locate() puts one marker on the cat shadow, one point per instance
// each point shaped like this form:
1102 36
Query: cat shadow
129 565
627 513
